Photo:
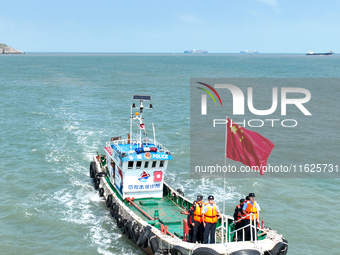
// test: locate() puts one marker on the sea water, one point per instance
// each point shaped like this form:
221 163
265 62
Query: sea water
58 110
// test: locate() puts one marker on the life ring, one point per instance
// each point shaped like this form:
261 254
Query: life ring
96 183
109 200
127 229
153 242
93 169
143 237
101 192
119 220
280 248
178 249
246 252
135 232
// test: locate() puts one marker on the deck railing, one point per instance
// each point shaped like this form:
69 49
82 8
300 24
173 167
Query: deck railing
116 144
252 228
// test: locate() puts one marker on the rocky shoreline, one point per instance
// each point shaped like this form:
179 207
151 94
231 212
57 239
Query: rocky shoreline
5 49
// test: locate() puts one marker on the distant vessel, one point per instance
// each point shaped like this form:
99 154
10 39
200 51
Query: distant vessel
313 53
249 51
195 51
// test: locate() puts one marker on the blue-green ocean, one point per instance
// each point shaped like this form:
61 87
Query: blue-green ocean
58 110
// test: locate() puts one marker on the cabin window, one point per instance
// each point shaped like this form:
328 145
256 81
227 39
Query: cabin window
130 165
146 164
139 164
161 164
154 164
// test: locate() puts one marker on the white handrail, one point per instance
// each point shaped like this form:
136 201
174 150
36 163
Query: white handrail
252 225
125 141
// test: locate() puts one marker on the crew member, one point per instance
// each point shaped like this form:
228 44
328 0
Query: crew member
211 213
252 211
197 221
238 215
190 221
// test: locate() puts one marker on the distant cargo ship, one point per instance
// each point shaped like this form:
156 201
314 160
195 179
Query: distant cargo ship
313 53
249 51
195 51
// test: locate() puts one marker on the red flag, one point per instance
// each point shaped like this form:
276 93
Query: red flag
247 147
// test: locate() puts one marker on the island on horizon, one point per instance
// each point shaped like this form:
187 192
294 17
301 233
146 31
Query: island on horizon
5 49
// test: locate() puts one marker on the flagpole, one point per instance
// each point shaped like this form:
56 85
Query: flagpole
225 163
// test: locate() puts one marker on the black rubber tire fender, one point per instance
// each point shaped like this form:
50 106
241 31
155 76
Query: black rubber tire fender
109 200
122 225
286 243
96 183
93 169
112 209
101 192
153 242
143 237
135 232
279 249
127 229
101 174
246 252
116 211
178 250
146 244
119 220
205 251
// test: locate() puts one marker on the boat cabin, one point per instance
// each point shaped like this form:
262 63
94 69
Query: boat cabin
137 166
137 171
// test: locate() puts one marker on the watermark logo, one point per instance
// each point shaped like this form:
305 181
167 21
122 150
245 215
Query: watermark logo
238 99
300 98
204 97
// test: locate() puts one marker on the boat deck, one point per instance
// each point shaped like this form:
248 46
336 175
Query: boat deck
169 213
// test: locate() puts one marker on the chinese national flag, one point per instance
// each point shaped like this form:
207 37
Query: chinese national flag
247 147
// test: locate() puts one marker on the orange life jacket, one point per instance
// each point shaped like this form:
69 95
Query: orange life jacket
251 209
198 212
237 208
211 215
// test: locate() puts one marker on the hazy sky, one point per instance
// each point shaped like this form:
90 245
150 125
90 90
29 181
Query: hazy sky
219 26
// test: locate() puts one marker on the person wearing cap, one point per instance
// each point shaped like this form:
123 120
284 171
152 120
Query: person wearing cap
190 214
238 215
211 213
252 210
197 220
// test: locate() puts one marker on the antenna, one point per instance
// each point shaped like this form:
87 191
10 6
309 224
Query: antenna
154 133
139 115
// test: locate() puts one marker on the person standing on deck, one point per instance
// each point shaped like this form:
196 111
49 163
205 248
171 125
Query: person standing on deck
197 222
211 213
238 215
190 221
252 210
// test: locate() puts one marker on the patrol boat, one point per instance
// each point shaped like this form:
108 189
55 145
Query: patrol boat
130 177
